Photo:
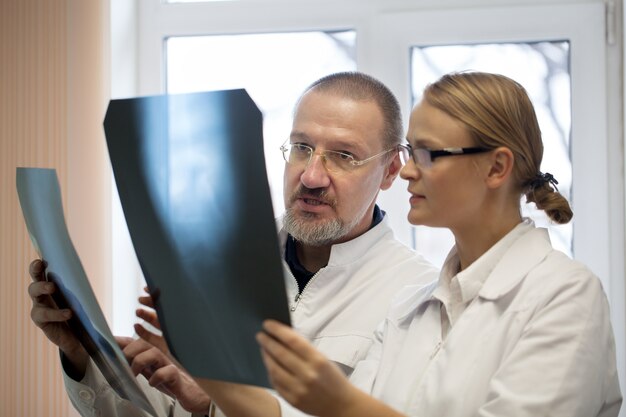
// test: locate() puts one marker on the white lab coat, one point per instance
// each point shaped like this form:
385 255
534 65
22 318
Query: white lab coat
338 312
536 341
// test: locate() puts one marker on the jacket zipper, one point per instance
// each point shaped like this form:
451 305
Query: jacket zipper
299 295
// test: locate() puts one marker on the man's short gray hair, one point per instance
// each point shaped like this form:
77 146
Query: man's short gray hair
362 87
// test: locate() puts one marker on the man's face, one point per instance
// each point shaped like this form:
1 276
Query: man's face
324 207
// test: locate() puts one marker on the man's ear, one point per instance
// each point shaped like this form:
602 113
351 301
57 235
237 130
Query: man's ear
501 167
391 172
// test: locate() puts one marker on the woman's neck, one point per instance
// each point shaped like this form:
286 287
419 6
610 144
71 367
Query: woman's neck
473 240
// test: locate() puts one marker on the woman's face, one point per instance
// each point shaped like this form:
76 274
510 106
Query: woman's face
450 192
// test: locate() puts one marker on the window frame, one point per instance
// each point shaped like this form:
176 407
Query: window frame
379 25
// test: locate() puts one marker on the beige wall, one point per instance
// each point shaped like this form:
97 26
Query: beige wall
53 94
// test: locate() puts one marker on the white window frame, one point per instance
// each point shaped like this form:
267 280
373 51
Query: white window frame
385 30
583 26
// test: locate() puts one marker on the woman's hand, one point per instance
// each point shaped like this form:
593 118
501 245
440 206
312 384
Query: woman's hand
301 374
309 381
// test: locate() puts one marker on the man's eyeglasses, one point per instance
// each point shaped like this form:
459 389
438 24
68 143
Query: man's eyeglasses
424 157
334 161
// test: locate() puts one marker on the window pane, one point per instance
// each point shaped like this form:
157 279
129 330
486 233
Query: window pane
274 68
543 69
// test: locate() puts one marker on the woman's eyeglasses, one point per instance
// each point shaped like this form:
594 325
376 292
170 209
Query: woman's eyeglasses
424 157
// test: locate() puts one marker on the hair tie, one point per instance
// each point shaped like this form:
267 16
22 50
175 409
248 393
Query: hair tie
541 179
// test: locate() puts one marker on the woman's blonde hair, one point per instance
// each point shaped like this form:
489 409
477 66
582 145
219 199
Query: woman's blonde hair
497 112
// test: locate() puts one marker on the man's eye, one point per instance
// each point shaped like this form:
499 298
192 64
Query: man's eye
344 156
298 147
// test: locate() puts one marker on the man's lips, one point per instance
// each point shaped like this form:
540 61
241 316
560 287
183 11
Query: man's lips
309 203
312 201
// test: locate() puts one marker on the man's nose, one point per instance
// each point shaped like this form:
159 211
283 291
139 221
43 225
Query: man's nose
315 174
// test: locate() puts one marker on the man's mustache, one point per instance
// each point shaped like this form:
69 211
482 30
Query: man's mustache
317 193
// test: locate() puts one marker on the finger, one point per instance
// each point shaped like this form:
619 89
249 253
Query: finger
38 289
37 269
41 292
134 348
166 379
281 380
288 340
281 355
146 300
149 316
123 341
148 361
151 338
42 316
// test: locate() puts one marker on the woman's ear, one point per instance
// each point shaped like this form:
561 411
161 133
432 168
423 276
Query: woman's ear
391 172
501 168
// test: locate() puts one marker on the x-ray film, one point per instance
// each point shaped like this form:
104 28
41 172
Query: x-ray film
190 172
40 199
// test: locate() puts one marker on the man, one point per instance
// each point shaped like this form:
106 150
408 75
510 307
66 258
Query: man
342 263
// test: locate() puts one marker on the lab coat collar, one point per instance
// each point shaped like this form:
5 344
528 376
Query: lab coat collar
410 300
534 245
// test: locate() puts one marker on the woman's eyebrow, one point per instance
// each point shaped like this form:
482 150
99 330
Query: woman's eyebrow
422 143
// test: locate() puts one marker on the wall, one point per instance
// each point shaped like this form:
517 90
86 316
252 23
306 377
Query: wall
53 93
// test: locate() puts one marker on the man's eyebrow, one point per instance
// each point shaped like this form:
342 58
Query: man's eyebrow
332 144
298 136
345 145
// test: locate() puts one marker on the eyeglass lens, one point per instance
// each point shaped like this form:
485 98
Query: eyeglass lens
301 155
421 156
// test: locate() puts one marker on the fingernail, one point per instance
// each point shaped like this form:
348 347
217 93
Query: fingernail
67 313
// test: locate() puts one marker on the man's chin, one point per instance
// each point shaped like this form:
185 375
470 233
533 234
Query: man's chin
313 230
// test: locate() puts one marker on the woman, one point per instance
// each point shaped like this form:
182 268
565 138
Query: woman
512 327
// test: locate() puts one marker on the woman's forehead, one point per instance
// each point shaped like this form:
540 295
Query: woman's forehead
431 127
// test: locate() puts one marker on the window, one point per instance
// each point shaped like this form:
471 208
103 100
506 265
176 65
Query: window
582 27
404 45
284 65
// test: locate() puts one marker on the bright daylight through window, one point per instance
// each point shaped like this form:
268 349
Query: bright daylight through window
274 68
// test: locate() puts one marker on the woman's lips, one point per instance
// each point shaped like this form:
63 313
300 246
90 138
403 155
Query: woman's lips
416 198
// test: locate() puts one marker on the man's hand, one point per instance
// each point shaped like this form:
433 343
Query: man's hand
151 357
53 321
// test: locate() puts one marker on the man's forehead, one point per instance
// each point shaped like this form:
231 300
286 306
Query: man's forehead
331 95
347 122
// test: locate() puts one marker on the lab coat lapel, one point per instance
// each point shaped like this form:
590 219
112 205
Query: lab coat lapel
534 245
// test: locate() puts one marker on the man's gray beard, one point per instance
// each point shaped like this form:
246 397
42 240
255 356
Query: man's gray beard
306 229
